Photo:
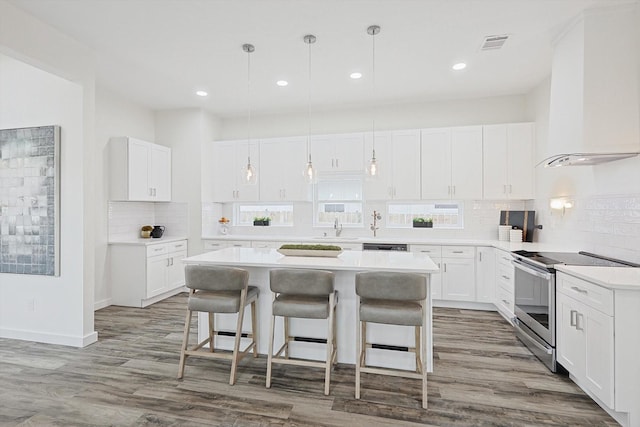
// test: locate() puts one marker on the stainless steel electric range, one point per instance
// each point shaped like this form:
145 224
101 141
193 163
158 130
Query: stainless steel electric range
535 296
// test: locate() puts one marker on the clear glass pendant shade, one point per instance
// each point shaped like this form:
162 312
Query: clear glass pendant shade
309 173
373 169
250 173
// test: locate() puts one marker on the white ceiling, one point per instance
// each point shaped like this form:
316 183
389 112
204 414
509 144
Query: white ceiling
159 52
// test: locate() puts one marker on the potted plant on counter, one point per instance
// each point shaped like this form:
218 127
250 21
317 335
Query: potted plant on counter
261 221
420 222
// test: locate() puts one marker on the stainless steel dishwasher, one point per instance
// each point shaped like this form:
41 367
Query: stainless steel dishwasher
402 247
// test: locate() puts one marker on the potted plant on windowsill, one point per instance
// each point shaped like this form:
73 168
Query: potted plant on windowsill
262 221
422 222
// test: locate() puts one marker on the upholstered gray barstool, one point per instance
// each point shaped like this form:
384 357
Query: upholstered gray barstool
393 299
308 294
219 290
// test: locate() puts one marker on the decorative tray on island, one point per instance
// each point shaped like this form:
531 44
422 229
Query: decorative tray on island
330 251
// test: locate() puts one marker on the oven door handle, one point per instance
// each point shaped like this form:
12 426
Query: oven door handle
524 267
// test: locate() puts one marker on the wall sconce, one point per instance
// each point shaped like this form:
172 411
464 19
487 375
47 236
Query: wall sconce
561 204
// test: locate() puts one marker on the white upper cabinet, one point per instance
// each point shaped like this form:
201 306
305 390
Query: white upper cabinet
338 153
229 160
398 156
282 162
508 161
139 170
452 163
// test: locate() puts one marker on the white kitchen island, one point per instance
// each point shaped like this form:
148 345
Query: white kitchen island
345 267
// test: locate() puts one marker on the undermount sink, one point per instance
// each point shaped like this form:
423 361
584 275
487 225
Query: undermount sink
335 238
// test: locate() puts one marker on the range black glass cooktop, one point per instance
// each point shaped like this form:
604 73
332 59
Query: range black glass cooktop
549 259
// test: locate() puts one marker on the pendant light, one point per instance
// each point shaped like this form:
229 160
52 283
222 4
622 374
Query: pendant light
249 173
309 172
373 170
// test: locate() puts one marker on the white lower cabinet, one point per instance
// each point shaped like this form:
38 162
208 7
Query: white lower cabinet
585 341
216 245
458 273
504 284
144 274
456 280
485 274
435 253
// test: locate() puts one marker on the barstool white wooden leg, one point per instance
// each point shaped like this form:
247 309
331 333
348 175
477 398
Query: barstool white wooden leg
185 343
236 342
359 347
270 355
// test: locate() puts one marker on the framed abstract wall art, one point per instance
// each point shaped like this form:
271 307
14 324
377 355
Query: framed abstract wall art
30 200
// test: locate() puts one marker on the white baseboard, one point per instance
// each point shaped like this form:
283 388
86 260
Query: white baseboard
466 305
101 304
47 338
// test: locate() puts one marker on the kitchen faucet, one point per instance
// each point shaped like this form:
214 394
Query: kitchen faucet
376 216
338 227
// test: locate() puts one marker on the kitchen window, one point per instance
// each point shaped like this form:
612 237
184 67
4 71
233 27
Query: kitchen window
280 214
338 197
447 214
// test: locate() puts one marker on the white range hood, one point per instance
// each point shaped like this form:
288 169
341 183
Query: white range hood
594 113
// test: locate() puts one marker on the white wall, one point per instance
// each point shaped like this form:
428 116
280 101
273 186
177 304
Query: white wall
46 308
505 109
115 116
186 132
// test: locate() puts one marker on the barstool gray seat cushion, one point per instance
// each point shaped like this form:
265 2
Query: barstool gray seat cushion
391 312
303 306
213 278
220 301
391 286
301 282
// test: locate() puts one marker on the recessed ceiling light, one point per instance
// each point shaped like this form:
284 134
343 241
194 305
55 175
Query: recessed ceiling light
355 75
459 66
282 83
201 93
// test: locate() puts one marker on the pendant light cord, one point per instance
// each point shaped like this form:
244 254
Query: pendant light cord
309 39
248 48
249 106
373 78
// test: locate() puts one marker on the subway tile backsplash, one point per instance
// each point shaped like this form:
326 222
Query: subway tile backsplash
607 225
126 218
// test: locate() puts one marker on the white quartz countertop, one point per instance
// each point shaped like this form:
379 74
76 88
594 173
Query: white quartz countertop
507 246
608 277
346 261
146 242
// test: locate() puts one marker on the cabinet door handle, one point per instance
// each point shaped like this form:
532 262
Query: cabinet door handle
505 301
510 188
427 252
150 191
458 252
573 317
454 189
157 249
445 267
506 277
337 164
179 246
504 189
578 315
480 256
577 289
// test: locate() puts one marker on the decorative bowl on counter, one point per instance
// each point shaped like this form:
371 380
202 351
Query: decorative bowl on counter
145 232
330 251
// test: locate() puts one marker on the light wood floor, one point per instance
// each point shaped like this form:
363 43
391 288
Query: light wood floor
482 377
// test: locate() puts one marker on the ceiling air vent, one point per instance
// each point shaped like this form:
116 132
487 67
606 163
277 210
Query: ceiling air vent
494 42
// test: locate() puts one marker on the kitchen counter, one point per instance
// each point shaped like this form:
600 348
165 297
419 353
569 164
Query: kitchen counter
146 242
507 246
609 277
349 260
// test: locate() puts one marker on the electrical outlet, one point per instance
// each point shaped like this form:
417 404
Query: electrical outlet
31 304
